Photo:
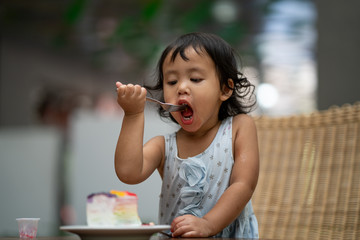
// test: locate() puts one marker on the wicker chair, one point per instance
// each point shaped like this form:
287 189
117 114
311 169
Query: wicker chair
309 183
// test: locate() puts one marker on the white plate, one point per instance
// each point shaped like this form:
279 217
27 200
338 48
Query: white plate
109 233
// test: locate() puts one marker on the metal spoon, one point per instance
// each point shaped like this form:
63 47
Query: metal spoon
167 106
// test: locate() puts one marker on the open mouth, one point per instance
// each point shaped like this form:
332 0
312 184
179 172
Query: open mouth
188 113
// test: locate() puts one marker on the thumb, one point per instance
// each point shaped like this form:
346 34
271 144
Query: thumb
118 84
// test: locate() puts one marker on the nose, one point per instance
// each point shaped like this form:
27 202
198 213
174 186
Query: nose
183 88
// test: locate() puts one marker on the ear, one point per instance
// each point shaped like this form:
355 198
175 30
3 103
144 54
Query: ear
226 91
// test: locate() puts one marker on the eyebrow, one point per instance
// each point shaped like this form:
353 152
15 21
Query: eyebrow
190 70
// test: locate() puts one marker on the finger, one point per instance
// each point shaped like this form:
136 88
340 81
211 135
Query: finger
130 89
118 84
190 234
137 90
183 231
181 226
178 232
143 92
121 90
175 222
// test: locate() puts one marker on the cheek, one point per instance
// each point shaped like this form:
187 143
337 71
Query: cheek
165 93
169 95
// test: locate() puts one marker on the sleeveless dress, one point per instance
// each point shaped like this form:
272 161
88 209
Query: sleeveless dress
194 185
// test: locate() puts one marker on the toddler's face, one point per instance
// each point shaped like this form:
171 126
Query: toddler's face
193 82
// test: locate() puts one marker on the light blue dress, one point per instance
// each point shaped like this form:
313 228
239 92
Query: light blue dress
194 185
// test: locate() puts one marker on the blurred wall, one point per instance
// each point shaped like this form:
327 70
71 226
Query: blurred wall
338 52
26 68
28 178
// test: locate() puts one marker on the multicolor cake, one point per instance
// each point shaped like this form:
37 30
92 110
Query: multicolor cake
114 208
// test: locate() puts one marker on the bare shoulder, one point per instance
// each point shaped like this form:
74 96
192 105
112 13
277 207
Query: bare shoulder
243 122
244 130
156 144
157 140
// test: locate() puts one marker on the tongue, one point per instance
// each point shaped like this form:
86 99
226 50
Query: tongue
187 112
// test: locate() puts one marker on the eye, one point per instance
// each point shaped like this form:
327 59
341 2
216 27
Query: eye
172 82
195 80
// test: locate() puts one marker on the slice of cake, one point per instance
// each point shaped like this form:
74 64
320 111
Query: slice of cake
114 208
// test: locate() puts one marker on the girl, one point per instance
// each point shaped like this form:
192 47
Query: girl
210 166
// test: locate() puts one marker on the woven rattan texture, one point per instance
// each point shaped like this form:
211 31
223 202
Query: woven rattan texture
309 182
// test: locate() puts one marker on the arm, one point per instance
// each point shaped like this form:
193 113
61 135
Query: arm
133 161
242 185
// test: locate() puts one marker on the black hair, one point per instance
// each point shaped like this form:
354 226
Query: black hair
223 55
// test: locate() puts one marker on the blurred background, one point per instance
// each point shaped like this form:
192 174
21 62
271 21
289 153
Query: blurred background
60 59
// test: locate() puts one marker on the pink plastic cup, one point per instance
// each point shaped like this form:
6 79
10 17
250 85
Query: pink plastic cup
28 227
